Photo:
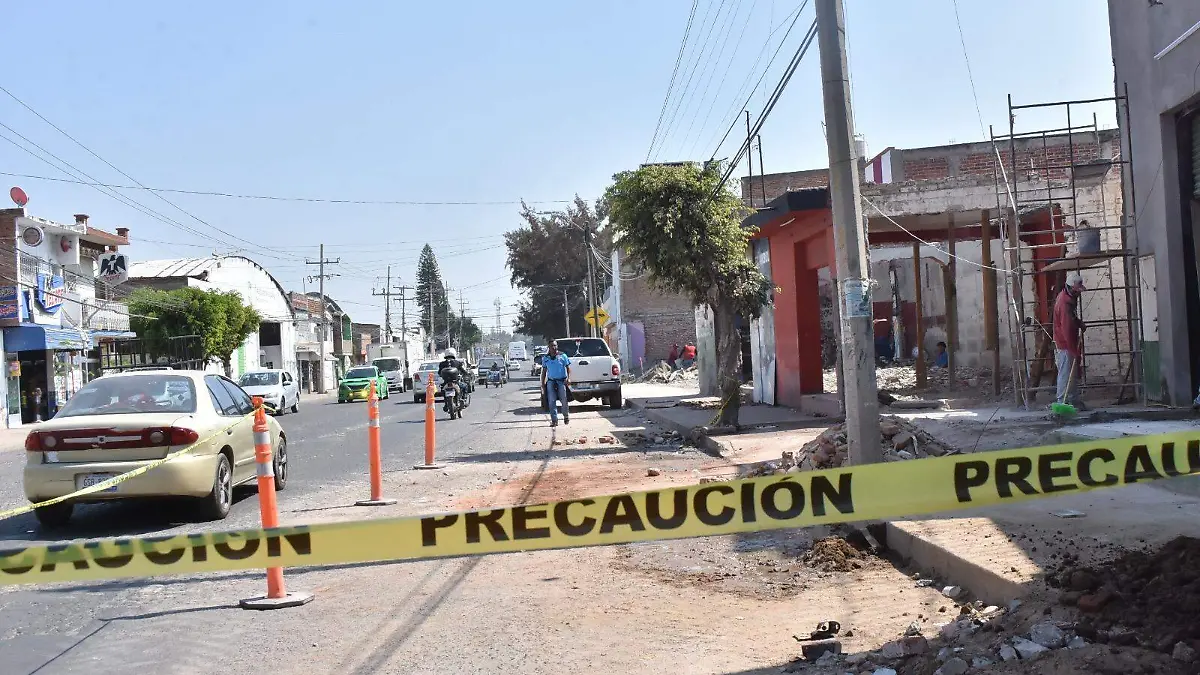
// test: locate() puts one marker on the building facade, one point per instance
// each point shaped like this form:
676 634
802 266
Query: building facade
273 345
53 310
1156 49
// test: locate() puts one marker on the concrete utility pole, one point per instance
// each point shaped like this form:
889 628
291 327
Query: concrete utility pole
591 281
432 339
462 310
850 240
403 300
566 315
387 305
449 333
322 385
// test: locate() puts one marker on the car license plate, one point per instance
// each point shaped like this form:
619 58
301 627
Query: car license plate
89 479
582 387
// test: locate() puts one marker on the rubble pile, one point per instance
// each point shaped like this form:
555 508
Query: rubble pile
901 440
1151 599
662 373
901 380
1134 614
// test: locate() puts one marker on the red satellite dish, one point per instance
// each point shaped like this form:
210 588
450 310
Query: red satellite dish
18 196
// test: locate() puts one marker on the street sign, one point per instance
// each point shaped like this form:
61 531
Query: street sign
597 317
114 268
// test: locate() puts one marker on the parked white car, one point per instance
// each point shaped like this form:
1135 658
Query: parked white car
595 372
277 388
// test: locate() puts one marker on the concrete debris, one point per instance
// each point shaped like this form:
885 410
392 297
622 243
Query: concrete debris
1028 649
981 662
1048 635
1007 653
653 472
662 373
819 649
884 671
952 592
901 440
955 666
1183 652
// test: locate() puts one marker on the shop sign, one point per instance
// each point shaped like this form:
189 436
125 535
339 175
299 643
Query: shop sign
50 291
9 304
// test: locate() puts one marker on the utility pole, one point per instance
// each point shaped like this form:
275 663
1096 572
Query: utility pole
750 159
462 310
566 315
322 385
432 339
850 241
387 306
498 303
591 280
449 333
403 300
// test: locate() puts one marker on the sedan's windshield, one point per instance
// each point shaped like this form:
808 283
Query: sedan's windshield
386 365
259 379
574 347
361 373
430 365
132 394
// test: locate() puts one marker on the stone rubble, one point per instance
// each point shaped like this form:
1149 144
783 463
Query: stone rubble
661 373
902 440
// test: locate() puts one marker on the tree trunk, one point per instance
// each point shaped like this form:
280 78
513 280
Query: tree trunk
729 357
227 362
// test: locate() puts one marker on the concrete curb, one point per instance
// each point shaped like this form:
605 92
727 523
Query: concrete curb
708 444
983 583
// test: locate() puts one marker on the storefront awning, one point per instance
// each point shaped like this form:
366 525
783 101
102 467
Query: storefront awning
37 338
98 335
306 355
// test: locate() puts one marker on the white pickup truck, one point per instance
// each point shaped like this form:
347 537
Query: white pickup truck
595 372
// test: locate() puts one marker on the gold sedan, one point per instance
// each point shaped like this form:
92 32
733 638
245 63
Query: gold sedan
123 421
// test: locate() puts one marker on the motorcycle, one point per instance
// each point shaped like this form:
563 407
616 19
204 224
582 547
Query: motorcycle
455 397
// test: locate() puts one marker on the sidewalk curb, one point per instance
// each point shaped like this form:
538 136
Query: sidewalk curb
930 557
708 444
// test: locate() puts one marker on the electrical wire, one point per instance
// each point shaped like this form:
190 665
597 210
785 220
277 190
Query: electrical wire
731 21
795 15
721 85
277 198
674 72
691 73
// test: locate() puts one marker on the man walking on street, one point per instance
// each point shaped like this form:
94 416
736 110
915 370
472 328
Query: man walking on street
556 368
1068 330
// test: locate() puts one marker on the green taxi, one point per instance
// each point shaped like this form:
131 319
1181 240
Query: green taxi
356 384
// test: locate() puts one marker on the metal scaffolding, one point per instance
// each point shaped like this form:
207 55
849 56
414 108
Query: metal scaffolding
1046 232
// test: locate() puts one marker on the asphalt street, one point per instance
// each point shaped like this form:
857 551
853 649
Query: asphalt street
327 449
42 627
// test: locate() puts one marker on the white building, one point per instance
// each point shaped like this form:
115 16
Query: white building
310 334
274 344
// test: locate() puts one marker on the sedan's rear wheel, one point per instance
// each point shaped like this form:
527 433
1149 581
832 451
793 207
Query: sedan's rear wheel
218 502
54 516
280 464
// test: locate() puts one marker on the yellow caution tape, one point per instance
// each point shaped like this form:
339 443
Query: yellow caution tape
876 491
117 480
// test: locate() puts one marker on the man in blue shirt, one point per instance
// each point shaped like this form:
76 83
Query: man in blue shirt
556 368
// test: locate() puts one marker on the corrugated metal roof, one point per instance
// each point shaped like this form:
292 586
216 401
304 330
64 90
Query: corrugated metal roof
166 269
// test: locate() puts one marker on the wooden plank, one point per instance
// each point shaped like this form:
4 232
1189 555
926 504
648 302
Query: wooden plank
950 275
920 310
991 317
1079 262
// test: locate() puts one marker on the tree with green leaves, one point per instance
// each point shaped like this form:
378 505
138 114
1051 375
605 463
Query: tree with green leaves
548 257
431 289
683 226
221 319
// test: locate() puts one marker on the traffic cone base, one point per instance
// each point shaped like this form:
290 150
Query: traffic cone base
261 602
375 502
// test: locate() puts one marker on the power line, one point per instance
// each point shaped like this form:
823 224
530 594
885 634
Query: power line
795 15
114 168
691 73
674 72
277 198
721 85
716 64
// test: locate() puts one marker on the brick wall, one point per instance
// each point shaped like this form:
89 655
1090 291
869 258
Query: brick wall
779 183
666 318
929 168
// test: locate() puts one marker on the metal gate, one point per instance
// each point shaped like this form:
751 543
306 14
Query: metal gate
180 353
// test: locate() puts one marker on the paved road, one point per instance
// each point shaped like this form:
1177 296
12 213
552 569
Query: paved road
115 626
327 448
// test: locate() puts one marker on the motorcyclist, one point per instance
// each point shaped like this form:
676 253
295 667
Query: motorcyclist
451 370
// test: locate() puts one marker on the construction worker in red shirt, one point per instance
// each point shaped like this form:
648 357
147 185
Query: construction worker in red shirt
1068 343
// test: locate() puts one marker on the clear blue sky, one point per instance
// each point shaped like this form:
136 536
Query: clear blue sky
473 101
